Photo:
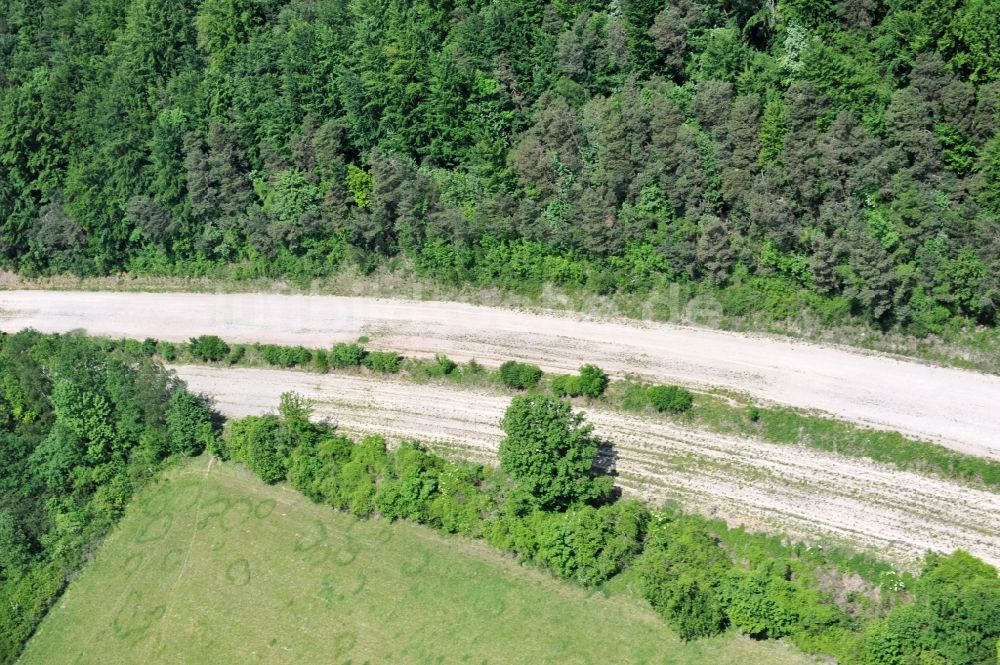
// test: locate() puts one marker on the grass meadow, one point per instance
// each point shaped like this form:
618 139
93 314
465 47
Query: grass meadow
210 565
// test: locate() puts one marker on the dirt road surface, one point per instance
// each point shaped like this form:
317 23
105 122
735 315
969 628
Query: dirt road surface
950 406
796 490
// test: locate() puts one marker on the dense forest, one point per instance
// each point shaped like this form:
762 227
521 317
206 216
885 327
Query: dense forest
83 424
843 150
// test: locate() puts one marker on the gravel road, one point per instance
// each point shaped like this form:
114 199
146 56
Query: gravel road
954 407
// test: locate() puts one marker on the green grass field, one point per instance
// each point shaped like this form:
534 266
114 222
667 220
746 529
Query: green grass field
213 566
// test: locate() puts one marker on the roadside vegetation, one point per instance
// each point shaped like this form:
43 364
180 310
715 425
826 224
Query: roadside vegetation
955 345
94 419
716 411
550 503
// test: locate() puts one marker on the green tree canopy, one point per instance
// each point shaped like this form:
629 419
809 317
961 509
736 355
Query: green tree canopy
551 453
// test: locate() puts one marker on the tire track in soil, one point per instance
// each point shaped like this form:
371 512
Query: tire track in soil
803 492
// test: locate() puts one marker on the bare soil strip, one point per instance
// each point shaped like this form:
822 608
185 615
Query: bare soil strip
954 407
807 493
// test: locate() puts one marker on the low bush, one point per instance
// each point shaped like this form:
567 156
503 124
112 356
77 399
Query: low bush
519 376
149 347
383 361
591 382
320 361
208 348
442 366
345 355
672 399
285 356
566 385
167 351
237 354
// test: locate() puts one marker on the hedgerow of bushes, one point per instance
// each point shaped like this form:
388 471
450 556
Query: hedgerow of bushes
778 425
591 382
86 421
519 376
700 576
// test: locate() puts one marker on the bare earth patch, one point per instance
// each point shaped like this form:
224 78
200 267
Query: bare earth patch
808 493
954 407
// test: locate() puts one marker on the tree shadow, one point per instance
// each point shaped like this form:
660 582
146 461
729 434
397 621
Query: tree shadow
606 464
215 417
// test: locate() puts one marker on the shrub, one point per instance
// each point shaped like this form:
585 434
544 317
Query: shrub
359 478
408 493
315 470
590 545
762 603
346 355
167 350
320 361
440 366
565 385
208 348
219 446
520 376
633 395
189 423
297 355
383 361
253 440
670 398
285 356
236 354
149 347
443 366
956 614
593 381
129 346
680 574
270 353
461 505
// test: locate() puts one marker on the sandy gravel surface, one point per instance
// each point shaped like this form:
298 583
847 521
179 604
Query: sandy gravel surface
955 407
806 493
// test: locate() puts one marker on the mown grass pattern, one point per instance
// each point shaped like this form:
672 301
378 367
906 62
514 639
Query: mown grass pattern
218 567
